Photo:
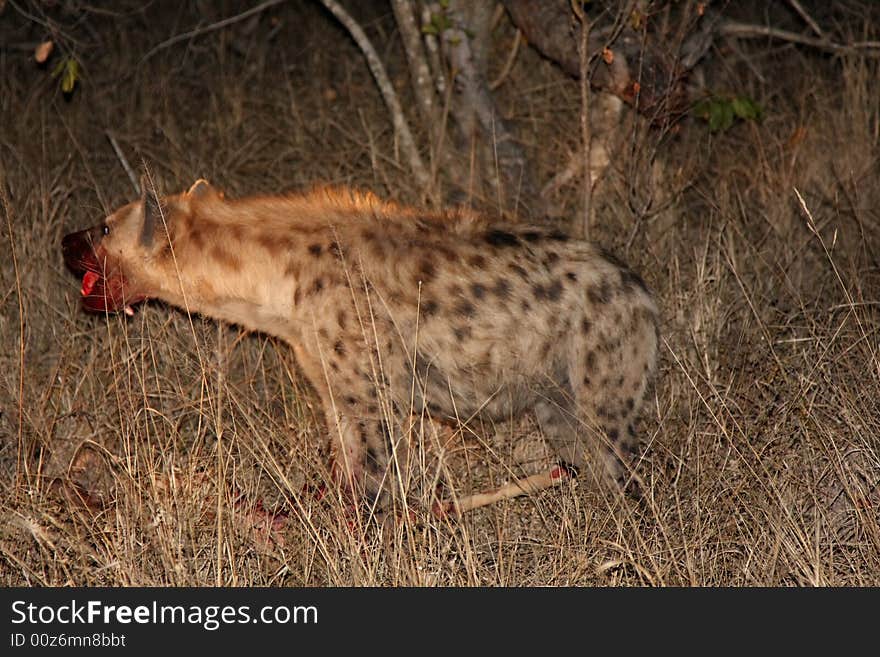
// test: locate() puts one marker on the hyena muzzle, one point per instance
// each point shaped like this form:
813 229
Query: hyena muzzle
451 314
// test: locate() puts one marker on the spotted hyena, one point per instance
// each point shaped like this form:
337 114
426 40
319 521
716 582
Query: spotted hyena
456 314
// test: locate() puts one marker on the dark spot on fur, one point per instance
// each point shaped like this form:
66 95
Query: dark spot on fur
341 319
368 235
478 261
462 332
448 254
351 400
620 381
339 347
590 360
383 429
531 236
478 290
318 285
426 272
334 366
501 238
585 326
237 232
197 237
587 381
518 269
323 333
629 404
429 308
271 244
501 288
335 250
455 290
551 258
315 250
465 309
604 413
373 460
297 296
557 236
225 258
600 294
526 305
570 275
613 434
551 292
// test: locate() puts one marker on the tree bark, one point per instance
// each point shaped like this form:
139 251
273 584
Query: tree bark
630 67
475 108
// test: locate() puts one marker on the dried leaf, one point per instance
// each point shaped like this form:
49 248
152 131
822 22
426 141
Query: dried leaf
607 55
41 54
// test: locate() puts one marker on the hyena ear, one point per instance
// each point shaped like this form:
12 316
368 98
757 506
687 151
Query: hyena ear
152 211
202 188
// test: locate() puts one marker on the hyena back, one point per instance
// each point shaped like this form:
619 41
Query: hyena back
449 313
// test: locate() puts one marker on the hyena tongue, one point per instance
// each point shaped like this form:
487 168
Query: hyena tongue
88 284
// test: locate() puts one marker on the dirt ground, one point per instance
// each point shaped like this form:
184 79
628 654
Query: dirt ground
133 450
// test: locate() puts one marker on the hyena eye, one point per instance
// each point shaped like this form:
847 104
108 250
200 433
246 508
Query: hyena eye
105 229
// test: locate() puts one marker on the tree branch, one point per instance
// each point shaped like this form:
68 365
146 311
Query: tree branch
422 80
586 133
477 100
210 28
401 127
748 31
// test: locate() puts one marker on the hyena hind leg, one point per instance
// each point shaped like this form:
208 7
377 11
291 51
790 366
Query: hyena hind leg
558 421
592 431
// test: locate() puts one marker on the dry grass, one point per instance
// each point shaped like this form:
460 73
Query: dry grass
762 456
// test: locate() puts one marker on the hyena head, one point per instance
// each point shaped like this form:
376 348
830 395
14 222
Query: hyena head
115 257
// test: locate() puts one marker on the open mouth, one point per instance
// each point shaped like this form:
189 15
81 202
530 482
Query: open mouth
102 289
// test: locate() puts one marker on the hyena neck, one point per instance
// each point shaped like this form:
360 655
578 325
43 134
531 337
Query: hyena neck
219 267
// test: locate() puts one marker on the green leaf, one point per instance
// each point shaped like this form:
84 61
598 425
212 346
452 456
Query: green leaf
71 75
745 108
716 115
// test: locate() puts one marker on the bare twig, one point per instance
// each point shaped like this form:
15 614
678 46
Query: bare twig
401 127
511 58
583 230
124 162
437 69
749 31
807 18
210 28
